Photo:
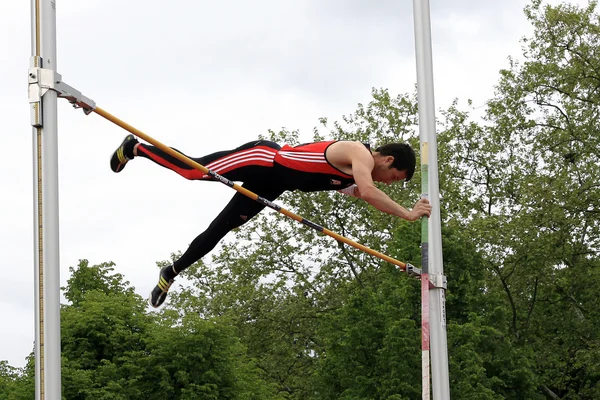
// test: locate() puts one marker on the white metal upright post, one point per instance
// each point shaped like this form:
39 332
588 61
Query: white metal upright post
45 184
427 128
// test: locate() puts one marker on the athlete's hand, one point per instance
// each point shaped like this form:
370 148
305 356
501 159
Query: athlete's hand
422 208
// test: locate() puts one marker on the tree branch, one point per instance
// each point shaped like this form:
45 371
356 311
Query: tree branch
549 393
510 300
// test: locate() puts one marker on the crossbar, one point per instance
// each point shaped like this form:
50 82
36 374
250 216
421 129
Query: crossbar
245 191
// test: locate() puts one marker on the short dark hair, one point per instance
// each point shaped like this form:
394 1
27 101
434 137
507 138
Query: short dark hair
404 157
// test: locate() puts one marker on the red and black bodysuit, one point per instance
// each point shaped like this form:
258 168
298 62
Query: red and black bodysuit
266 169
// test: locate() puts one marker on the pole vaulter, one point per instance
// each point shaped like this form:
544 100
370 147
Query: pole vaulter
410 269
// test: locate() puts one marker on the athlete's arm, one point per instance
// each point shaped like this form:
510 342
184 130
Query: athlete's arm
362 164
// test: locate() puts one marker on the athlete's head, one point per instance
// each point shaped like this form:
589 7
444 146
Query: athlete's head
404 159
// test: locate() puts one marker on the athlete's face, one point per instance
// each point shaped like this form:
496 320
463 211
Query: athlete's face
384 174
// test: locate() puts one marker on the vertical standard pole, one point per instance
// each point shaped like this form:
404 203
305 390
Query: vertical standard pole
45 167
425 325
439 343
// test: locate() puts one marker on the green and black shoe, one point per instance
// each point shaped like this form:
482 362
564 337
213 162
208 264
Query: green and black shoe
160 291
123 154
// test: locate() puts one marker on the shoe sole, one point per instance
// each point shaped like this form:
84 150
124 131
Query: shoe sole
150 302
160 277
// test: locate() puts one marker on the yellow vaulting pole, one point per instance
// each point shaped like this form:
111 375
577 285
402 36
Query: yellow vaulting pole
244 191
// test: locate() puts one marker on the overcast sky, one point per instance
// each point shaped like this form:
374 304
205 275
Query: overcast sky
203 76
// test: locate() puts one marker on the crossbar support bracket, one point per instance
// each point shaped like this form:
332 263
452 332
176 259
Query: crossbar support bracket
41 80
436 281
413 271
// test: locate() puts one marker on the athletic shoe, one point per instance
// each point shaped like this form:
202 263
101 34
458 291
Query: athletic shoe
118 160
159 293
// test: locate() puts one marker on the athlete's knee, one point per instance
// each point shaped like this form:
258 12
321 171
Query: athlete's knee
236 222
224 226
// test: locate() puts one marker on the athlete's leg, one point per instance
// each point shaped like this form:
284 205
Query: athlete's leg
238 211
228 163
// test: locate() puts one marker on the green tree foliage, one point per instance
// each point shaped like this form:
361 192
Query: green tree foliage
15 383
369 343
113 349
525 183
